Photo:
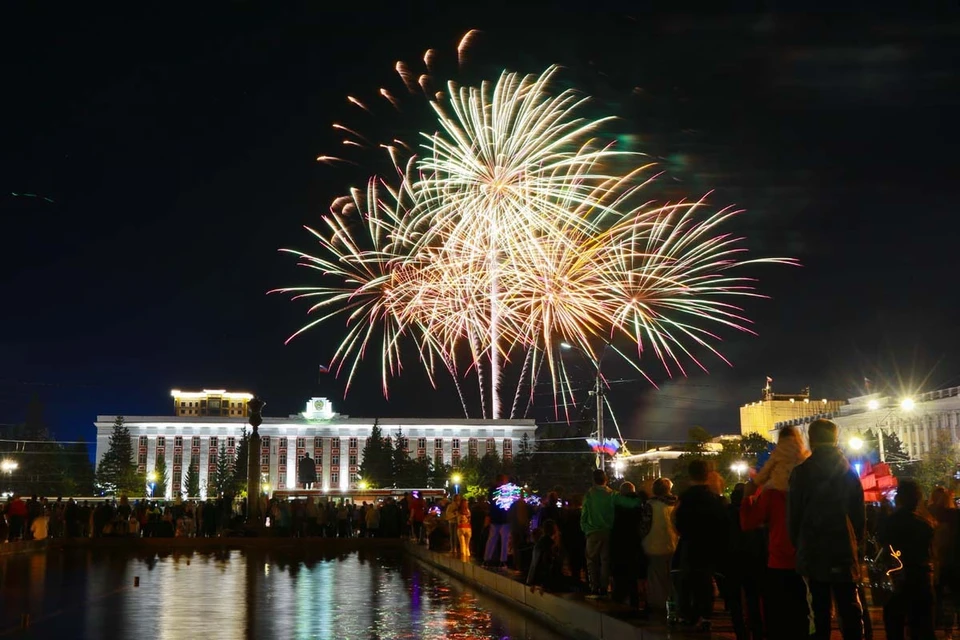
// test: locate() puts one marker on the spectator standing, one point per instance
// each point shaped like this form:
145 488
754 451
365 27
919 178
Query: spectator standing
826 520
765 506
910 535
626 546
499 522
596 522
701 521
659 543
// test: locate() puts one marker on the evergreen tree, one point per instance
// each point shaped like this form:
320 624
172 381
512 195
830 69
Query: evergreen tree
241 463
939 466
523 464
224 476
399 461
117 472
191 483
76 470
162 477
377 466
490 467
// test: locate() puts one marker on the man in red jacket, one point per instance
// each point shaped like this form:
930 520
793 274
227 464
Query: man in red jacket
16 517
785 610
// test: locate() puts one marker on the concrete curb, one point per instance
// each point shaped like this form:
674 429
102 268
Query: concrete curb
566 616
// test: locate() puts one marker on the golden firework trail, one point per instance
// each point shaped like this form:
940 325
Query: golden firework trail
513 230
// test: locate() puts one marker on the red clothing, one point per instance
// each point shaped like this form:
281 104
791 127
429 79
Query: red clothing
417 509
17 507
769 508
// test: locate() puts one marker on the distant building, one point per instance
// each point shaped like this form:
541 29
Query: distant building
761 416
202 421
915 421
662 460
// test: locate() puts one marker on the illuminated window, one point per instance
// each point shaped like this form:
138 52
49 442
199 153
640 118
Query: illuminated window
334 477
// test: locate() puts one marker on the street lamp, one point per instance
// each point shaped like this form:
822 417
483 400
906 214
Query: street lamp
362 485
740 467
597 392
456 479
906 405
8 466
152 479
856 443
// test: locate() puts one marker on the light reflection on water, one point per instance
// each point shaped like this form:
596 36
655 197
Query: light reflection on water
362 595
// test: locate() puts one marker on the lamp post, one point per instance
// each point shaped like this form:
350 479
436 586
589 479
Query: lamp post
599 394
255 409
456 479
740 467
8 466
906 406
152 479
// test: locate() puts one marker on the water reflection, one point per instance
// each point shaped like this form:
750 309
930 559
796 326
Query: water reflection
245 594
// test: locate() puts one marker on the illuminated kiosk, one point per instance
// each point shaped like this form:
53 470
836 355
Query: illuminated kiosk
204 420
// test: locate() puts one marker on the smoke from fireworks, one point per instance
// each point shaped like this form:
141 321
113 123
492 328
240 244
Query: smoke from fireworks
513 230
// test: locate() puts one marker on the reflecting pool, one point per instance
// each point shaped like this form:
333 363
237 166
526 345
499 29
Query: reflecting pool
77 593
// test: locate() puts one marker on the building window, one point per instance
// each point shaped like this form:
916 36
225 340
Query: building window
455 458
455 444
421 454
177 458
354 478
213 442
212 458
265 441
335 444
231 442
507 444
491 445
334 459
183 405
438 457
178 441
143 441
438 443
142 459
161 441
301 443
352 461
334 477
352 443
421 443
264 458
404 444
473 447
195 442
318 443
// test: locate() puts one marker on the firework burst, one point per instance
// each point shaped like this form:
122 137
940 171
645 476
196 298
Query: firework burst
513 231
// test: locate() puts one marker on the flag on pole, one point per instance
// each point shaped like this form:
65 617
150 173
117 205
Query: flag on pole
322 370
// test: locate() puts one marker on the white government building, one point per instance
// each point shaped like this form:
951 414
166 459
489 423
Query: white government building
915 420
204 420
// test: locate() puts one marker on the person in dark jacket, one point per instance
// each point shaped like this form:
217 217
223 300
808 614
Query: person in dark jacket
626 548
826 519
743 569
546 567
701 519
910 535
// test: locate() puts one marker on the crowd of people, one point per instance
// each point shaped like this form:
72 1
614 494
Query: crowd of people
785 550
788 551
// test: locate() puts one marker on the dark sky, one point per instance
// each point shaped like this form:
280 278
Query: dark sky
178 148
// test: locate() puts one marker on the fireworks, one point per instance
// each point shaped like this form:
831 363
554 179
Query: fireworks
512 230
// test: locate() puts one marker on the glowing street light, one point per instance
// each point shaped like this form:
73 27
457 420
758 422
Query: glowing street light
907 404
456 479
873 405
856 443
8 466
362 485
740 467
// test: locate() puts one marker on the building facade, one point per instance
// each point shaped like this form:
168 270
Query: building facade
916 421
336 442
772 408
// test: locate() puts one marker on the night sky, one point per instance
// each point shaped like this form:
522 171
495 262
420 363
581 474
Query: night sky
178 149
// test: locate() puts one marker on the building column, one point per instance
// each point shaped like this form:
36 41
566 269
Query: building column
292 461
204 463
